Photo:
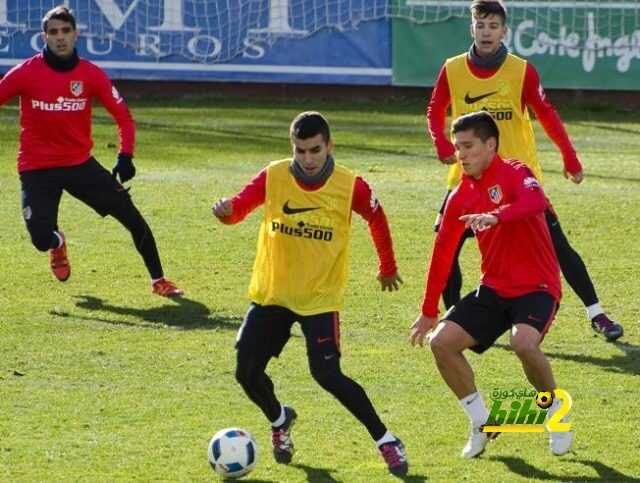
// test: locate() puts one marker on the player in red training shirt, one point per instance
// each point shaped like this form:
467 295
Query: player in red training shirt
503 203
489 78
300 274
56 88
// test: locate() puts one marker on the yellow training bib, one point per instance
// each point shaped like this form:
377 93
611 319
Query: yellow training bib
303 246
501 95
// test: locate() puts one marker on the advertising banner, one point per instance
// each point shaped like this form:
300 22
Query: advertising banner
257 40
575 45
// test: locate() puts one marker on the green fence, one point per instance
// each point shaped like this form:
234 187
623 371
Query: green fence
574 45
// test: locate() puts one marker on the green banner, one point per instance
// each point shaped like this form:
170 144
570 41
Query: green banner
572 48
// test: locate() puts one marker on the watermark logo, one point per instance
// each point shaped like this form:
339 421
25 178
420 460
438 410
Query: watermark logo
527 412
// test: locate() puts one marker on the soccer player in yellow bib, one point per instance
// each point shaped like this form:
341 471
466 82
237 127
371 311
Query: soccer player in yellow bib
300 274
489 78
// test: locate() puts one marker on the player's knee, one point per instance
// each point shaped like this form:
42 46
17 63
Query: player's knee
126 212
327 375
246 374
439 345
129 216
524 346
559 240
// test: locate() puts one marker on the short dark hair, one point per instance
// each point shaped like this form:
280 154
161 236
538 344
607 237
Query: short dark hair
481 123
58 13
484 8
309 124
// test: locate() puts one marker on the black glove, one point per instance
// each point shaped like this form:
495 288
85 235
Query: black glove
124 167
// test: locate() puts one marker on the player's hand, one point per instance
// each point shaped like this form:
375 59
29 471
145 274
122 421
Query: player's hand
222 208
447 153
390 283
575 177
420 328
479 221
124 168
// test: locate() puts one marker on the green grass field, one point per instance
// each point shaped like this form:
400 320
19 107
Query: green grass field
101 381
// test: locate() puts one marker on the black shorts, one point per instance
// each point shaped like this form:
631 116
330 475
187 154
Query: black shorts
89 182
485 316
267 328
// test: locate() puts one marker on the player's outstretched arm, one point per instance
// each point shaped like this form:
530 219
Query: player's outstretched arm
527 199
236 209
390 283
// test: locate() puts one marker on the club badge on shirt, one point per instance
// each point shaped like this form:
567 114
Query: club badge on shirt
495 194
76 88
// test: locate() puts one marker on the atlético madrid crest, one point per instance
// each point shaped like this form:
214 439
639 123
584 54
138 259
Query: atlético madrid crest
76 88
495 193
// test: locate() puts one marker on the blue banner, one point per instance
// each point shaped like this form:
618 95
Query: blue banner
225 40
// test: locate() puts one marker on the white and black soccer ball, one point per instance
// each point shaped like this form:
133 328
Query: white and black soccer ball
233 452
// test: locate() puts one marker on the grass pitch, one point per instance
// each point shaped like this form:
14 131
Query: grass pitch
101 381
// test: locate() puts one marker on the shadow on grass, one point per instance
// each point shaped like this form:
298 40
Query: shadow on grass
316 474
183 313
626 363
413 478
522 468
250 480
323 475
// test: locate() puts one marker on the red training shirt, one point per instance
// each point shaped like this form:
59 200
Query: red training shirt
55 112
364 202
517 254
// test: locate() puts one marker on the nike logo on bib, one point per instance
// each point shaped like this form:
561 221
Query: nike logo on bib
472 100
292 211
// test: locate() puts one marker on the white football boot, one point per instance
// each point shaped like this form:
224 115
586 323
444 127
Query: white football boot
476 442
560 442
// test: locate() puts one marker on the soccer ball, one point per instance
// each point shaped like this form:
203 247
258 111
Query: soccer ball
544 399
233 452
